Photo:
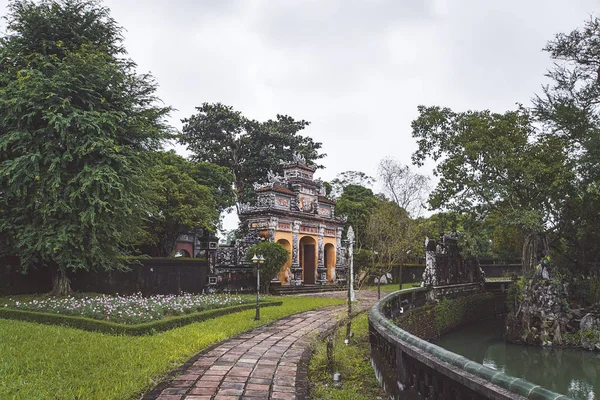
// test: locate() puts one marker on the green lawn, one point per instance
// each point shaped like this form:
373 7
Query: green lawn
53 362
352 361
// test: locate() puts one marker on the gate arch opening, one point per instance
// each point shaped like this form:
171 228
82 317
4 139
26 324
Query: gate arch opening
285 275
308 259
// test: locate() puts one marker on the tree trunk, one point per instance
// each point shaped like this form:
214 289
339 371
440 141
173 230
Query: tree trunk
61 285
400 275
534 248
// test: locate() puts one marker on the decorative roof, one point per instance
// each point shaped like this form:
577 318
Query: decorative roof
306 195
323 199
311 168
277 188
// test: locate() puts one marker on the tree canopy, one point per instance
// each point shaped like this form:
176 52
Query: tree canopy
177 202
537 167
356 202
275 256
346 178
220 135
408 189
76 122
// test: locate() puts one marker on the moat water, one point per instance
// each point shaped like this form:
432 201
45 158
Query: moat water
572 372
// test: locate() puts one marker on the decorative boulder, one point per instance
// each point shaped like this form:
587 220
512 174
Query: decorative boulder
590 331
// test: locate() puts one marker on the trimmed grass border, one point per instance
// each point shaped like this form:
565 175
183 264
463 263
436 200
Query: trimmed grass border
352 361
113 328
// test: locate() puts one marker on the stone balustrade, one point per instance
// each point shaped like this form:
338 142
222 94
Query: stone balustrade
404 362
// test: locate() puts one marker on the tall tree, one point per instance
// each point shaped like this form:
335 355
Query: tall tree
346 178
490 161
569 108
355 203
76 122
177 203
408 189
389 234
248 148
218 179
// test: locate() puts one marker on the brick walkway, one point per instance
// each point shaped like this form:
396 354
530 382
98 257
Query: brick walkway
260 364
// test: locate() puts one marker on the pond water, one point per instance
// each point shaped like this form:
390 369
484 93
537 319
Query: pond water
575 373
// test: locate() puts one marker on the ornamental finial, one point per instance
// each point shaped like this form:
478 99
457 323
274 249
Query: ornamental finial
299 158
350 235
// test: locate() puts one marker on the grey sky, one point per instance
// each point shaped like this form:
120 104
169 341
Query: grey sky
356 69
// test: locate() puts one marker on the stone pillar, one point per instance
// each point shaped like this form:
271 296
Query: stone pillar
273 222
296 269
321 270
340 259
430 277
350 239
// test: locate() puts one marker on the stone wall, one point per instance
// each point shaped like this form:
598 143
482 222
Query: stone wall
433 320
403 361
414 272
12 281
149 276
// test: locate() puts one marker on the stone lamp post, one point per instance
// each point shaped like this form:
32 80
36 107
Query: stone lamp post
375 254
350 240
258 260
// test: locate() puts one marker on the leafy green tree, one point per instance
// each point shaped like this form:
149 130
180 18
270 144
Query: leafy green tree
177 203
390 235
489 161
248 148
356 202
218 179
275 258
76 122
569 108
346 178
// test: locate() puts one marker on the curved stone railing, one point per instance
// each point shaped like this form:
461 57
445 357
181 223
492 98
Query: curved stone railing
404 362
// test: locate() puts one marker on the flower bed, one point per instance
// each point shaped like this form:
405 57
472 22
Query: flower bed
130 309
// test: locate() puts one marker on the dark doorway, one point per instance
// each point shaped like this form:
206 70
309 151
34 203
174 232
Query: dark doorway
309 264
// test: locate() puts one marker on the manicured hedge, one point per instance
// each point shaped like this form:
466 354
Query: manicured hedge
147 328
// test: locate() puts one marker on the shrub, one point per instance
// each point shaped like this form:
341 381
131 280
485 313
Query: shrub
275 258
514 295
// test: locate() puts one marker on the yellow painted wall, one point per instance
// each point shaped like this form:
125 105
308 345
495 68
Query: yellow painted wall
286 241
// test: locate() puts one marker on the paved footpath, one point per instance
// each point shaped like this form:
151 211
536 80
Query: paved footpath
264 363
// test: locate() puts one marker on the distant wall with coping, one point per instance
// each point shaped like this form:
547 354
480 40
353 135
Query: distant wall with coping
414 272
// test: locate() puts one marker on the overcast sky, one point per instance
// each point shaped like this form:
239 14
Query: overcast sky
357 70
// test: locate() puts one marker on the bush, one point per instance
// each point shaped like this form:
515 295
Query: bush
514 295
275 258
433 320
585 291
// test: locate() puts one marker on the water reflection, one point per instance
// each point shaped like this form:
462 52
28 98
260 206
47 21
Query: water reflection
575 373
